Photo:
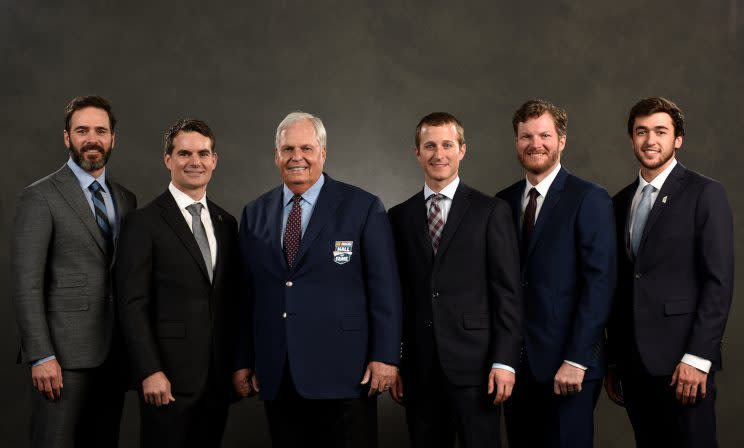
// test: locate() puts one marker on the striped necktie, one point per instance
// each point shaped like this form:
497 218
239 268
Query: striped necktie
435 221
99 207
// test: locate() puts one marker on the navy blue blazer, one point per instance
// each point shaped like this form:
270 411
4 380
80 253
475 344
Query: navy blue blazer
336 310
568 275
674 298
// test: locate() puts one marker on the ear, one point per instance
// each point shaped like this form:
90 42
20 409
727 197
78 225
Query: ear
562 142
113 140
463 148
66 138
167 160
678 142
216 157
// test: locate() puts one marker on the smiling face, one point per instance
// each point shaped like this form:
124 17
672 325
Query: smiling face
654 143
539 146
299 157
90 139
439 154
191 163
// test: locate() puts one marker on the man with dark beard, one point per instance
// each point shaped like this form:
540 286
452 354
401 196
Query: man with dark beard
676 266
568 276
63 243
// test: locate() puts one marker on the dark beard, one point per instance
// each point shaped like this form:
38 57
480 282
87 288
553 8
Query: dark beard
77 157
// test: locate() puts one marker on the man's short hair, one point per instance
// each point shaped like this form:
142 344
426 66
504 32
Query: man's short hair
294 117
656 104
187 125
81 102
440 119
535 108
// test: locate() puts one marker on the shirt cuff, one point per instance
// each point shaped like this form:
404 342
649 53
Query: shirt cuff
42 360
697 362
496 365
575 364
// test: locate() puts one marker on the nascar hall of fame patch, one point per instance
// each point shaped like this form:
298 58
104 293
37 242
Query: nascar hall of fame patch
342 251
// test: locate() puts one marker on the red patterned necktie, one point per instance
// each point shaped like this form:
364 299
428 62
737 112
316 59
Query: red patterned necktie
293 231
435 220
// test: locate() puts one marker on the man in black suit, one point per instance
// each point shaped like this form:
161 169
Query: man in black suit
676 267
174 277
459 266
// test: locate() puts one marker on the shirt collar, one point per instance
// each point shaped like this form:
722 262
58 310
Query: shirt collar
544 184
85 178
659 180
448 191
183 200
310 196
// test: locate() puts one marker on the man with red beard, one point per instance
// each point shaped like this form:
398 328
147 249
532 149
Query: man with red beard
568 277
63 243
676 266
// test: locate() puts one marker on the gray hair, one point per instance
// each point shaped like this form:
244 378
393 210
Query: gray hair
320 132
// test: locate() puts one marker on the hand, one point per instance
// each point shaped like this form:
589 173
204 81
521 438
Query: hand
613 387
500 381
568 380
157 389
47 378
688 379
380 377
245 382
396 391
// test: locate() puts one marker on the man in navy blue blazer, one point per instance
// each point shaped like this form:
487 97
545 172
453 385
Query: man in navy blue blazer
568 276
323 298
675 281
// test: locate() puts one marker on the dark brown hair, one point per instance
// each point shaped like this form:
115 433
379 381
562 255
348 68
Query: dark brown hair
187 125
656 104
81 102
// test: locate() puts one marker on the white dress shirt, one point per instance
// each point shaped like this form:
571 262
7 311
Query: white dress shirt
445 204
542 187
183 200
658 182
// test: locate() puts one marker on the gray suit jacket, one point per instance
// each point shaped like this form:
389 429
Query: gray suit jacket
62 291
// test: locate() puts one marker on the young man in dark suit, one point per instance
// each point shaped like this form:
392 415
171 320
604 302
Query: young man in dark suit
458 258
175 275
568 276
65 232
676 267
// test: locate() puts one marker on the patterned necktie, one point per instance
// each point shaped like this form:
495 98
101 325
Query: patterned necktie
99 206
528 223
640 218
293 231
435 220
200 234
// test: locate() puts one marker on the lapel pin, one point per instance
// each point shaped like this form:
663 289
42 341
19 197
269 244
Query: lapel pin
663 200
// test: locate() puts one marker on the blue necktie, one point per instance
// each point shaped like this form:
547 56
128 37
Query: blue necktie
641 216
99 206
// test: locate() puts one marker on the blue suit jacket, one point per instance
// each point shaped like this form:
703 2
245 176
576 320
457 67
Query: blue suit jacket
568 275
332 313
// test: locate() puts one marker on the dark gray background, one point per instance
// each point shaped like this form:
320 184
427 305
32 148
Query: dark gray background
370 69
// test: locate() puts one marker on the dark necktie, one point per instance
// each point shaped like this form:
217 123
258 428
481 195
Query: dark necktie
528 224
435 221
641 216
200 234
293 231
99 206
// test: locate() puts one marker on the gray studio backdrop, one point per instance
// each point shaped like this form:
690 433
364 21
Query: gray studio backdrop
370 69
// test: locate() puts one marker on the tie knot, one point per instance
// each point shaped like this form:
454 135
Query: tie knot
534 193
195 209
435 198
95 187
296 199
648 189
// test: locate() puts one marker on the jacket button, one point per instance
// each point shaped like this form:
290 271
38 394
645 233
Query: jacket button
638 275
434 295
289 283
284 315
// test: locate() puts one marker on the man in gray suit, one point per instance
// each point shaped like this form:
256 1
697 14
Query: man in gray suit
63 243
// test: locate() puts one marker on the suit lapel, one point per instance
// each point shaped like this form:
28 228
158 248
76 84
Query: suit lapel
274 222
550 201
121 207
627 203
69 187
219 235
460 204
417 216
672 184
325 207
175 219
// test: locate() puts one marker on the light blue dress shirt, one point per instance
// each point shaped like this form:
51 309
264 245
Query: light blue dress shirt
309 199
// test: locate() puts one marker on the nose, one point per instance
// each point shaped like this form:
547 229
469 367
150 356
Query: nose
194 159
296 154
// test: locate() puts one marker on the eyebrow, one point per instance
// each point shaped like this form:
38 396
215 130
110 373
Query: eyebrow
655 127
